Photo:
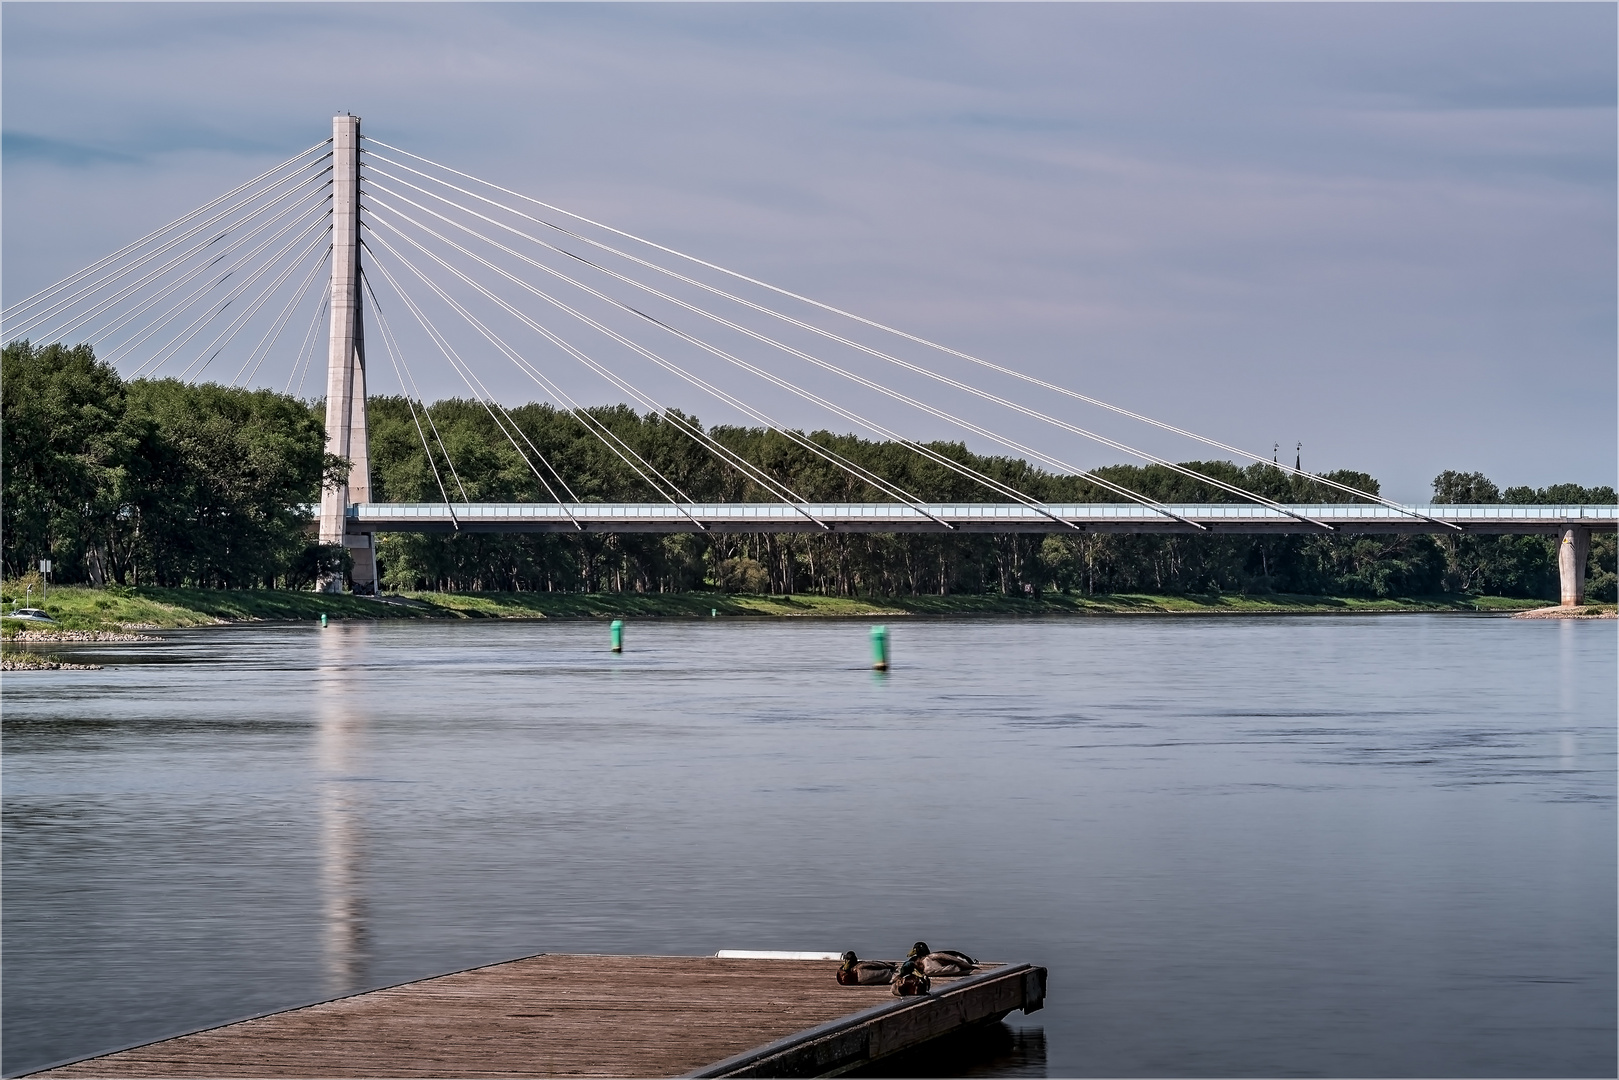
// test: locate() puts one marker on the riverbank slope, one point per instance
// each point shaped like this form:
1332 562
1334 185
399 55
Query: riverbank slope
81 608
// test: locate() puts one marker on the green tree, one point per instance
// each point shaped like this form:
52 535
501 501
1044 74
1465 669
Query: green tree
153 481
237 470
1453 488
65 455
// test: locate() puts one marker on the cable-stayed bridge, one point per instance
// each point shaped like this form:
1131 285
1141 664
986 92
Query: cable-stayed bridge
370 244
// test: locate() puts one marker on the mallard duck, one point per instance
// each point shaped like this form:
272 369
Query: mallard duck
944 962
910 981
858 972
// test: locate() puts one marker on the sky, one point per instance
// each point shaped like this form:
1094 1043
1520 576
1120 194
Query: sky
1386 231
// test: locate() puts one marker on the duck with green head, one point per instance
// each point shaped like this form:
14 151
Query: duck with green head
910 981
858 972
945 962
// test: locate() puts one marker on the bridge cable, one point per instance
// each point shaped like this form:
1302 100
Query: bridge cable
784 384
838 311
128 289
159 358
939 413
135 245
485 397
860 319
608 442
300 359
467 377
388 335
411 405
870 425
859 471
245 209
127 345
314 213
225 336
593 426
1033 414
919 448
291 198
97 273
267 342
828 455
108 330
590 424
509 419
742 406
672 416
512 354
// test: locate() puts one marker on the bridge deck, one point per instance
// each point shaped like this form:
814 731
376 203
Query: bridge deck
552 1015
966 517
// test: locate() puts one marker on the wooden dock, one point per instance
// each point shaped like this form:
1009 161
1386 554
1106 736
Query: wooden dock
558 1015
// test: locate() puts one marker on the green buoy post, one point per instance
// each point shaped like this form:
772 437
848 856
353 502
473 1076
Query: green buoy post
713 613
618 635
323 619
879 648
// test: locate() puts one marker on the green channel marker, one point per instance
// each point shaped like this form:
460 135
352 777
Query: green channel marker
879 648
323 618
618 635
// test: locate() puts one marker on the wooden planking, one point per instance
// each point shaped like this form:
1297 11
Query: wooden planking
547 1015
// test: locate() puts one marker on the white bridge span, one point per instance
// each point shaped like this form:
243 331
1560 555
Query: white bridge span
758 517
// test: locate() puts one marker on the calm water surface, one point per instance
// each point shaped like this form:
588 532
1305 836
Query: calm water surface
1283 846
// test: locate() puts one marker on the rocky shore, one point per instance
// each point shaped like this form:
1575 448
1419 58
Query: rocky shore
16 659
27 661
81 636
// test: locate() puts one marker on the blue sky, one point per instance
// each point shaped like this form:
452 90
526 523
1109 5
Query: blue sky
1386 231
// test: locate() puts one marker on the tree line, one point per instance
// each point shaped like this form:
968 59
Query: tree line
152 481
157 482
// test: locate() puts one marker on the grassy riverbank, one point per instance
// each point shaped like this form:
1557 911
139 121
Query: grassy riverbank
79 608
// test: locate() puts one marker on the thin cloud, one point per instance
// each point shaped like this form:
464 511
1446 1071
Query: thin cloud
20 148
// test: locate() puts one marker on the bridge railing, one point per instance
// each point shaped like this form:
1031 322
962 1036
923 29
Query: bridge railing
975 517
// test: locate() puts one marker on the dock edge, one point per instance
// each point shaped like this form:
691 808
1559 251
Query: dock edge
902 1024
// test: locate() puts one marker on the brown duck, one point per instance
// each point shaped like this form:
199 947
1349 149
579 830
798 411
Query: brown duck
858 972
945 962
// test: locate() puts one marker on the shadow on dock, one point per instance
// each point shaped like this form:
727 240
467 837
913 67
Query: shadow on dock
987 1050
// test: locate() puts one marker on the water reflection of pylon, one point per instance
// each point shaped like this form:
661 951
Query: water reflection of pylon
337 753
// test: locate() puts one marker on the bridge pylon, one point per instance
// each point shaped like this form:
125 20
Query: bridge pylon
346 434
1572 553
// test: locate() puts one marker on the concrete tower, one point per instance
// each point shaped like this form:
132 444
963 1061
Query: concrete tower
1572 552
345 361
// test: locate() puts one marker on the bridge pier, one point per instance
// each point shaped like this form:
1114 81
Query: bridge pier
346 435
362 548
1571 559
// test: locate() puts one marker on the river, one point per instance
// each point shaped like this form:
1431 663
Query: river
1368 846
